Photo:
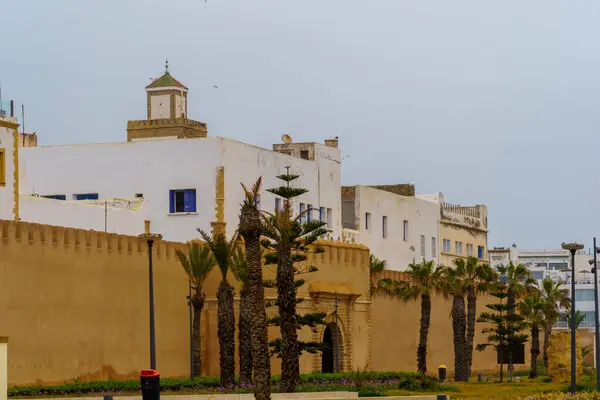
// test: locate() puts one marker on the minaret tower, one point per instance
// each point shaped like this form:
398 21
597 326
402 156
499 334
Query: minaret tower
167 112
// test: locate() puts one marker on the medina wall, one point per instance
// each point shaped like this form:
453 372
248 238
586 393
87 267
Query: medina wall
74 304
395 334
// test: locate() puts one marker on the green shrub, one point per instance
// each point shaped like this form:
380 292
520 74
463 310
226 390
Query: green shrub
317 382
419 383
369 392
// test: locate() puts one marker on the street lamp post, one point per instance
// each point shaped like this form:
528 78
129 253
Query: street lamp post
597 320
572 248
337 338
150 238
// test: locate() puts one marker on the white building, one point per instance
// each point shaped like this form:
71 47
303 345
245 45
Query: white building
167 172
398 226
8 163
556 265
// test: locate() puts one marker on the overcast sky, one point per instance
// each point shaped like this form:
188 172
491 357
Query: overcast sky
492 103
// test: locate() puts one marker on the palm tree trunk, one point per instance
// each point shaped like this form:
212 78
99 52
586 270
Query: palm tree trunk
424 330
226 333
198 304
471 318
535 349
459 323
286 299
244 339
250 229
547 333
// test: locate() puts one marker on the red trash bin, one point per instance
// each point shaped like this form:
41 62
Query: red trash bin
150 382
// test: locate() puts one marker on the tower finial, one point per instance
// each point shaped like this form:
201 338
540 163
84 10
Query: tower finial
167 66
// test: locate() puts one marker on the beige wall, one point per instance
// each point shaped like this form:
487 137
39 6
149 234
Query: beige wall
75 305
395 334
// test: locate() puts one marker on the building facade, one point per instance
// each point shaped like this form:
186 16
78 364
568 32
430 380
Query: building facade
398 226
9 174
463 232
168 172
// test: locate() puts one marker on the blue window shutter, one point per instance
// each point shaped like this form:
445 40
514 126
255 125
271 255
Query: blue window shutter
189 200
93 196
480 251
193 200
171 201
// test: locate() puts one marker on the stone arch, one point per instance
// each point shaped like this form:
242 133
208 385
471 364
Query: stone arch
331 356
341 348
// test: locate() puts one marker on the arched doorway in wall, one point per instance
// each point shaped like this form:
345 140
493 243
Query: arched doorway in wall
331 351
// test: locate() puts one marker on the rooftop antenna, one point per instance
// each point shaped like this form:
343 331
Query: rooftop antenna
23 117
1 109
166 66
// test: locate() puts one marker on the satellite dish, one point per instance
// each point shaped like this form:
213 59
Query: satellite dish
285 138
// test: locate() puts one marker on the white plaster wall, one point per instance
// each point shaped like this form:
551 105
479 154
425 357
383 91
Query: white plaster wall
160 106
119 170
7 191
79 215
422 216
245 163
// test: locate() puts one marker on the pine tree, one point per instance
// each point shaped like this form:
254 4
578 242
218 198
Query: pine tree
287 241
506 326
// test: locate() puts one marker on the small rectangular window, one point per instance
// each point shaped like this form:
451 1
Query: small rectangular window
322 214
384 226
433 247
405 230
329 218
308 212
2 167
480 252
182 201
277 204
422 245
304 154
55 196
86 196
301 211
367 221
139 195
458 248
469 250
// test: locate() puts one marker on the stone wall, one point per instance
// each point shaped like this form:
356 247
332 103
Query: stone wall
395 334
75 305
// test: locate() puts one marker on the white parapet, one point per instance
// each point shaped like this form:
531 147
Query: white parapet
3 367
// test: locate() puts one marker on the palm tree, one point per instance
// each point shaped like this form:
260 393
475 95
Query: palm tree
455 287
477 278
375 265
579 318
423 281
250 229
519 282
555 297
289 237
532 309
223 251
197 264
239 268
